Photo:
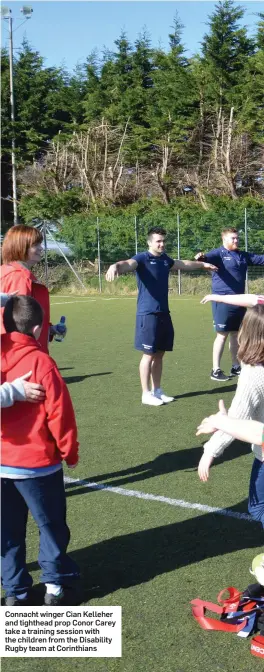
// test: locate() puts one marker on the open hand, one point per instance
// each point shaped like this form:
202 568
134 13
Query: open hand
204 467
210 267
112 273
34 391
207 425
206 298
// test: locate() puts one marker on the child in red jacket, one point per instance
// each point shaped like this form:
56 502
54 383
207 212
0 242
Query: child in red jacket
35 440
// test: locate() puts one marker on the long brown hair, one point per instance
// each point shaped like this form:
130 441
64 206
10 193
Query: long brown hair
18 241
251 337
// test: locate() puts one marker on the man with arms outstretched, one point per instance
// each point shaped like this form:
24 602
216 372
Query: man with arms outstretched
154 330
232 266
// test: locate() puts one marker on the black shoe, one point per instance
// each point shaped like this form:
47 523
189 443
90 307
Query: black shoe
253 590
235 371
219 375
13 601
54 600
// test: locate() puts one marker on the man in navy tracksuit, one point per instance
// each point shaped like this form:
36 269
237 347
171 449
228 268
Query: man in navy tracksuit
232 267
154 330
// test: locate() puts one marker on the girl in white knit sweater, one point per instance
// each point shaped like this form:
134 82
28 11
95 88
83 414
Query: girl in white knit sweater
248 403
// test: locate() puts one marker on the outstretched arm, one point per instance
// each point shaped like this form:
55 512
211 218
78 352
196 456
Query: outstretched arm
120 268
255 259
244 300
186 265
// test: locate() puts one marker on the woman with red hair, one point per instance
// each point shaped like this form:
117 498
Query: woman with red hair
22 249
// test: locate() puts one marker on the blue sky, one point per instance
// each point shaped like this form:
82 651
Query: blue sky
66 32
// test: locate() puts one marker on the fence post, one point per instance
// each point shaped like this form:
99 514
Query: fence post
136 235
178 238
246 245
99 256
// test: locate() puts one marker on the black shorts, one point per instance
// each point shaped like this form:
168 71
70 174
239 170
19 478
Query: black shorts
154 332
227 318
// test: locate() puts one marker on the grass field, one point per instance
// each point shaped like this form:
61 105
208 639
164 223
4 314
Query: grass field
150 556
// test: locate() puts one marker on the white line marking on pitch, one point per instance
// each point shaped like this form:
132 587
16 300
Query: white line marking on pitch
83 300
63 303
159 498
114 298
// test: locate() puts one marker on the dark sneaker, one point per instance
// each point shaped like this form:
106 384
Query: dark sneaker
13 601
235 371
54 600
254 590
219 375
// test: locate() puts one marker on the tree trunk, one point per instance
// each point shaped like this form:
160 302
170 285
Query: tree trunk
229 178
217 136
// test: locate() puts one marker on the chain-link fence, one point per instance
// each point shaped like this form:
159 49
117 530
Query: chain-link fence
107 243
61 277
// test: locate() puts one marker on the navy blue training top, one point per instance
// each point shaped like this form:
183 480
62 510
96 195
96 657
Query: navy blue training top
153 282
232 265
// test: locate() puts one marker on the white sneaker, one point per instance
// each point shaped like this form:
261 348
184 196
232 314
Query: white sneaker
151 400
159 394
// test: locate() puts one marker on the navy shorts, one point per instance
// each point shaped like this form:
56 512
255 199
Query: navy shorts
154 332
227 318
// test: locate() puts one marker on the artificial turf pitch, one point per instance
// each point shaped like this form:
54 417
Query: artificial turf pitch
150 557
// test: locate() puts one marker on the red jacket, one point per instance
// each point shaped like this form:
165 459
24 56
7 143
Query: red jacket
15 277
42 434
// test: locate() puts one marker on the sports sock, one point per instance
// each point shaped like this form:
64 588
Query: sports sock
21 596
53 589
